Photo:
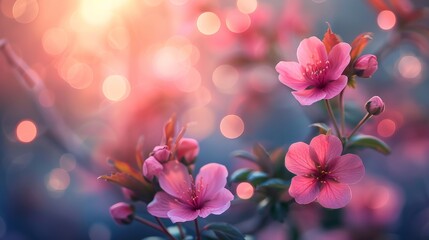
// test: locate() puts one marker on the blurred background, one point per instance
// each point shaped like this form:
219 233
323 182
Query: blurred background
82 80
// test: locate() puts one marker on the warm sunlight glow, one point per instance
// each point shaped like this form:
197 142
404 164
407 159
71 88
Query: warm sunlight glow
201 122
116 88
225 78
386 127
55 41
99 12
245 190
26 131
79 75
232 126
25 11
190 82
237 22
386 20
410 67
208 23
118 38
247 6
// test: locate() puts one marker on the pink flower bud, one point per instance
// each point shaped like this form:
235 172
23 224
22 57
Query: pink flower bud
366 65
375 105
161 153
122 213
151 167
187 150
129 194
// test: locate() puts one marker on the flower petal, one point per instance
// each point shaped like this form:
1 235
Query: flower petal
151 167
175 180
298 159
183 214
334 195
333 88
217 205
326 147
291 75
303 189
210 180
347 169
309 96
311 51
339 58
161 204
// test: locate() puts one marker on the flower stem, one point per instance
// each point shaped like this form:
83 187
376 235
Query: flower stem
182 234
342 113
331 115
362 121
164 229
197 229
148 223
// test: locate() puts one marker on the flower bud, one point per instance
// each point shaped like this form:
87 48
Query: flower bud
375 105
161 153
122 213
187 150
366 65
151 167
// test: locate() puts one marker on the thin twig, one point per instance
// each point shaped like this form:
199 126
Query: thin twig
362 121
331 115
164 229
148 223
197 229
342 113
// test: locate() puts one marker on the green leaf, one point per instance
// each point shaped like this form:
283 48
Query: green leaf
225 231
263 158
323 128
367 141
274 183
175 231
257 177
240 175
244 155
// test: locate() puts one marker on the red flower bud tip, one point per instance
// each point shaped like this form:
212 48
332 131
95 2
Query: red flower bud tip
122 213
366 65
129 194
151 167
375 105
161 153
187 150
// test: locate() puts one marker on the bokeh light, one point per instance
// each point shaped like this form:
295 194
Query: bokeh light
245 190
26 131
232 126
68 162
225 78
247 6
201 122
237 22
116 88
79 75
118 38
208 23
99 12
191 82
58 180
386 127
55 41
386 20
409 67
25 11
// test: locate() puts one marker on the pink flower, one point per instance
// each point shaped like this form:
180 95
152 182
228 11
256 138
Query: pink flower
122 213
317 74
366 65
151 167
188 149
184 199
322 173
374 106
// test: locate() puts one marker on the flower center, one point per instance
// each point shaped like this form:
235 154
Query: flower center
316 73
322 174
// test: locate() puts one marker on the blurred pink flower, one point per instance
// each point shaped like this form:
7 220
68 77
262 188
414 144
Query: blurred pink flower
322 173
152 166
122 213
185 199
316 75
187 150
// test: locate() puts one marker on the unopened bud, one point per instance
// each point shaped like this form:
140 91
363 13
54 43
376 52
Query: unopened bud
151 167
161 153
375 105
122 213
187 150
366 65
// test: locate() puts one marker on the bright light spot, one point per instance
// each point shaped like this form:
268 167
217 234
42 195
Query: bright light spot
245 190
79 75
58 180
386 127
99 231
170 63
381 199
410 67
98 12
116 88
208 23
191 81
6 7
118 38
68 162
225 78
54 41
153 3
386 20
25 11
178 2
26 131
232 126
247 6
201 122
237 22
